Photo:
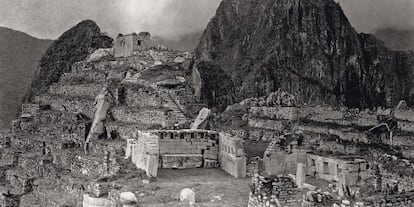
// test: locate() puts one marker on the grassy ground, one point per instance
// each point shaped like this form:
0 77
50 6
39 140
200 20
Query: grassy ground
213 188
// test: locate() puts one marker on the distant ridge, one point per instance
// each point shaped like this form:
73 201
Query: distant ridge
396 39
19 55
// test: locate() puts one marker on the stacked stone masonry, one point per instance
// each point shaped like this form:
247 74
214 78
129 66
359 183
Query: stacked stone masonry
187 149
272 192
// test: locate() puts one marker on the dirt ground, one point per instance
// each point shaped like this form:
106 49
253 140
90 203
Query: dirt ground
213 188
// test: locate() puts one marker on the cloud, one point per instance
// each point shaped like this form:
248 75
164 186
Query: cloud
50 18
370 15
169 18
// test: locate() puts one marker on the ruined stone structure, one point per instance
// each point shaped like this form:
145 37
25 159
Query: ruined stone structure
232 157
272 192
126 45
47 139
282 158
187 149
347 171
144 153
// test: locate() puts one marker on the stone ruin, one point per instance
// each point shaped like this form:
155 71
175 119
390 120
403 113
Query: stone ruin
180 149
345 148
272 192
150 116
126 45
42 157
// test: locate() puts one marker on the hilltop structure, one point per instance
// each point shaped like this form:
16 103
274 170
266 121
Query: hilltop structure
126 45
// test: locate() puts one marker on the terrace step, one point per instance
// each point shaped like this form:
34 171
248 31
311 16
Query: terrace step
146 115
124 130
84 90
95 76
74 104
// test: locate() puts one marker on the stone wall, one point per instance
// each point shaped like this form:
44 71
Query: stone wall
84 90
147 116
339 116
115 69
144 152
400 200
267 124
69 104
142 97
272 191
165 56
350 135
232 157
279 161
348 171
94 76
188 148
274 113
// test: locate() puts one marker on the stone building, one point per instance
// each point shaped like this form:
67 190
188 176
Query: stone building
181 149
282 156
126 45
348 172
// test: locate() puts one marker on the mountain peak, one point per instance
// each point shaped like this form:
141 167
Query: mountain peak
307 48
72 46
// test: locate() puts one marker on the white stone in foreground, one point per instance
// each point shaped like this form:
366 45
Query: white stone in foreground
128 198
187 195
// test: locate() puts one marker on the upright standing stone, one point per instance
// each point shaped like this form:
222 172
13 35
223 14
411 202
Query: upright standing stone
300 175
342 185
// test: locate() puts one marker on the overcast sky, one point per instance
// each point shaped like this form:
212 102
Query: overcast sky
172 18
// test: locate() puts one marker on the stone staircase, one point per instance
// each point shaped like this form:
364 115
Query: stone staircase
177 113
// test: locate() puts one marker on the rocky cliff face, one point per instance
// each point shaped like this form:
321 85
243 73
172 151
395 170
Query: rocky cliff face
74 45
307 48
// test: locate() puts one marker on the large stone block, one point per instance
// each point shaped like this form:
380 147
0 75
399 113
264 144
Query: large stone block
182 161
210 163
235 166
232 157
89 201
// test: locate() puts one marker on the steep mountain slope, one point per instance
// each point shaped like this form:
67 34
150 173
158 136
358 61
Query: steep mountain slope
74 45
307 48
396 39
19 54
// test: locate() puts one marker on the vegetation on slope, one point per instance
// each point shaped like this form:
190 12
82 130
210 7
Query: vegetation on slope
74 45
